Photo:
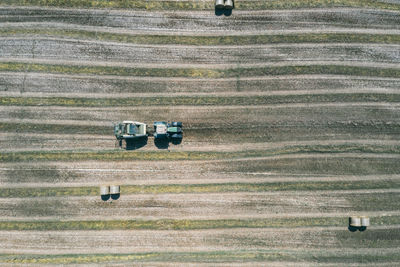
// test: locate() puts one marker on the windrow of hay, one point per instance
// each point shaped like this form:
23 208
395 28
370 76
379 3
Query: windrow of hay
203 40
203 72
205 5
201 188
193 155
185 224
199 100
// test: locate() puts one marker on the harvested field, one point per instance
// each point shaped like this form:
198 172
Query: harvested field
291 119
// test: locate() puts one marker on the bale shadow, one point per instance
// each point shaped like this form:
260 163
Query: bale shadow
227 12
105 197
352 228
136 143
219 11
362 228
115 196
161 143
222 11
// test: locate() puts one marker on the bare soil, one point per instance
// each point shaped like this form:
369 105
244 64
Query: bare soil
56 242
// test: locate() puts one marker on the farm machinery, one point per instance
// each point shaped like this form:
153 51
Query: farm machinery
128 131
164 130
133 134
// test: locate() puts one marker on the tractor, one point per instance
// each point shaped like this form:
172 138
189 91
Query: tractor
166 132
170 130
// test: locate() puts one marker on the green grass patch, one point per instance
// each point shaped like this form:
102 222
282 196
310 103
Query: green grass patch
208 40
54 128
201 72
354 165
204 5
207 257
245 132
198 100
26 192
116 155
381 201
186 224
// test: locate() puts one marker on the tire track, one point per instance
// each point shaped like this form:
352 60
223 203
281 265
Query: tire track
103 84
207 21
74 242
49 142
208 206
194 116
52 62
50 48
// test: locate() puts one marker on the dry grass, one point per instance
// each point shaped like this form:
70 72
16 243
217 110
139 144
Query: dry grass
208 40
207 257
202 72
192 155
200 188
185 224
198 100
204 5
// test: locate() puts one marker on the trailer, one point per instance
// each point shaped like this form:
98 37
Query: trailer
127 131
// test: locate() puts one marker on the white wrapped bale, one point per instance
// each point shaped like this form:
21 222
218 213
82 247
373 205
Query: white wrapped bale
228 4
355 221
219 3
114 189
104 190
364 221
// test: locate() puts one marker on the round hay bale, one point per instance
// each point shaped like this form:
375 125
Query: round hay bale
355 221
228 4
104 190
219 3
114 189
364 221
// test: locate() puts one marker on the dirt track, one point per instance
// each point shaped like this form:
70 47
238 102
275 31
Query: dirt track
198 240
197 206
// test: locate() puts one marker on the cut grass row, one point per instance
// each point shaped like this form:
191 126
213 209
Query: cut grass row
208 40
199 100
343 165
202 72
201 188
205 5
262 132
206 257
168 224
54 128
192 155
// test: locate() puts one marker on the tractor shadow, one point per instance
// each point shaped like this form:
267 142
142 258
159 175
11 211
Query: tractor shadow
176 141
161 143
164 143
133 144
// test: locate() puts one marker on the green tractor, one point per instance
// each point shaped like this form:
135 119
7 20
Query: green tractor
164 130
129 134
167 132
